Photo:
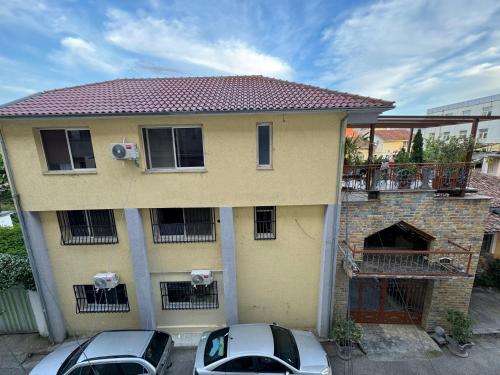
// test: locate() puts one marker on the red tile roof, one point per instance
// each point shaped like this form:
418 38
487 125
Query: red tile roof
393 134
177 95
490 186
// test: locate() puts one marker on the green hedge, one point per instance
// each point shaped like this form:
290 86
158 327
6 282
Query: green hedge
11 241
15 270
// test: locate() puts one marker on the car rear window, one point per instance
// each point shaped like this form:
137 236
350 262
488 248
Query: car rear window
155 348
216 346
285 347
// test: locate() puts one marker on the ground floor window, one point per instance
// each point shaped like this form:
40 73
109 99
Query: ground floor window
265 223
171 225
92 300
182 295
487 243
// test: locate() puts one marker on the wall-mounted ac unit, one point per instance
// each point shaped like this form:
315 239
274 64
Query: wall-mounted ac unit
201 277
105 280
124 151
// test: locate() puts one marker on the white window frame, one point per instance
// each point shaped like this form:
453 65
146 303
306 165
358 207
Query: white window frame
147 153
270 165
487 110
463 134
482 133
69 151
446 135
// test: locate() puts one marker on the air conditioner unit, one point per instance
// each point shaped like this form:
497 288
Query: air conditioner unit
201 277
124 151
105 280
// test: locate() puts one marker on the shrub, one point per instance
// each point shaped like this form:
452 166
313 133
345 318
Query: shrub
491 276
460 326
15 270
452 150
11 241
346 331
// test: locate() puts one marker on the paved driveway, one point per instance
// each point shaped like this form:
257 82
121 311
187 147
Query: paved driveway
484 310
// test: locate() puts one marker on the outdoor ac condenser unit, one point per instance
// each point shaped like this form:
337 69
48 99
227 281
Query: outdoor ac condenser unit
201 277
105 280
124 151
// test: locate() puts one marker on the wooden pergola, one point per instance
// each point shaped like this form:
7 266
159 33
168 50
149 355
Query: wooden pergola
421 122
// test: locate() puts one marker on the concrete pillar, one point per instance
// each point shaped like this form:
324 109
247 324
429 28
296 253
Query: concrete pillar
140 266
229 263
45 280
327 271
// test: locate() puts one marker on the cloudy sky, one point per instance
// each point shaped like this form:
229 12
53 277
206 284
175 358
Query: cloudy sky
420 53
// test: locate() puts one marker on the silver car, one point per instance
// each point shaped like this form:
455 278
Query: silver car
111 353
260 349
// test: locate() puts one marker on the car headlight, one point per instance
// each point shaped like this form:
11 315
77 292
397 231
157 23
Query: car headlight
326 371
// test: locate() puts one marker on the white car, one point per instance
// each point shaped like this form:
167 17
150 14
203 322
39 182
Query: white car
111 353
260 349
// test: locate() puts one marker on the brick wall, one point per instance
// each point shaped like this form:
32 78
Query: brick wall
445 218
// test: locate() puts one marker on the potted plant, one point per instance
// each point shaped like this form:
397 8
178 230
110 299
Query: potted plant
461 332
345 333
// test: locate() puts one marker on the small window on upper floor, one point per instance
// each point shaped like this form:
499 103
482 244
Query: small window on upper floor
487 111
467 112
67 149
264 145
174 147
446 135
482 134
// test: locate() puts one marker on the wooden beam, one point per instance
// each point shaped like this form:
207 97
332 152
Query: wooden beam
410 140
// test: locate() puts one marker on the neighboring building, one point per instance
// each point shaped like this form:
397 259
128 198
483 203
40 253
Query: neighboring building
6 219
490 185
388 142
241 176
236 175
488 133
490 162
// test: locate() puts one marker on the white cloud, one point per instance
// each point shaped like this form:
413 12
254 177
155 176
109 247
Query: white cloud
419 53
180 41
18 89
77 52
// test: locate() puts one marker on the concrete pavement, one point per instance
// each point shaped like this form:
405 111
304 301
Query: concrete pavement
484 310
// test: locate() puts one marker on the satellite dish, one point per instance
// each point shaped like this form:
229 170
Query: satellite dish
119 151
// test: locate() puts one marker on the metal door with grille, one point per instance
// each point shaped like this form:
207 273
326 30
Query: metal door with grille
388 301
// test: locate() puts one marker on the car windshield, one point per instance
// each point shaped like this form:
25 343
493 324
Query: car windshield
285 347
155 348
216 347
73 357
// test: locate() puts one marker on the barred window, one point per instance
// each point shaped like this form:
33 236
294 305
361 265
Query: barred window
265 223
87 227
172 225
92 300
182 295
487 243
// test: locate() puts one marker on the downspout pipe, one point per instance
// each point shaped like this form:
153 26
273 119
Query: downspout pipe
338 205
24 231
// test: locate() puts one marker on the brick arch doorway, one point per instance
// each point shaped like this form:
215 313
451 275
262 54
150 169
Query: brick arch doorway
387 301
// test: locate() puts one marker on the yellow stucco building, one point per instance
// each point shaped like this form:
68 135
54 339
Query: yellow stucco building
233 177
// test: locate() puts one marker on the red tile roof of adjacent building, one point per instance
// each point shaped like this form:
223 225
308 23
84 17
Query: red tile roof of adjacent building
490 186
393 134
186 95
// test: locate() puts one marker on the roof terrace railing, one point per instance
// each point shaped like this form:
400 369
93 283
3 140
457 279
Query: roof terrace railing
444 177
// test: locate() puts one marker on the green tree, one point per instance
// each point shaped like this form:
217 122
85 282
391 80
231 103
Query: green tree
11 241
417 148
6 202
452 150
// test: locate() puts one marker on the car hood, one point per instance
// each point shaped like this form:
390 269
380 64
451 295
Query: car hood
312 355
51 363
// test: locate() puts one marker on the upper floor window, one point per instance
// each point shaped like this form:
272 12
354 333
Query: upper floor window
174 147
87 227
264 145
462 134
182 295
172 225
67 149
446 135
487 111
466 112
265 223
482 134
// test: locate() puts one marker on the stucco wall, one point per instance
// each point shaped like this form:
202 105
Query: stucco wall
278 279
305 150
77 264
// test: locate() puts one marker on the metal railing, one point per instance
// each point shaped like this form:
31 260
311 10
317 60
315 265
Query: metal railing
395 262
182 295
265 223
91 227
92 300
411 176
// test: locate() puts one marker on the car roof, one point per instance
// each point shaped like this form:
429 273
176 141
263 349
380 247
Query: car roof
245 339
117 343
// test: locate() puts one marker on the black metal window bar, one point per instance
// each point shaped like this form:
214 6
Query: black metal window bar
173 225
265 223
182 295
92 300
87 227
